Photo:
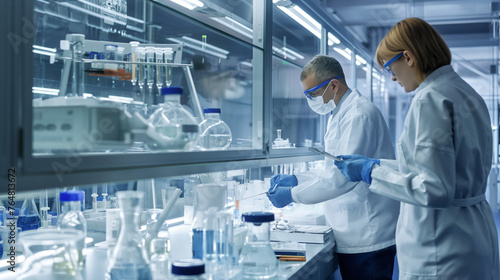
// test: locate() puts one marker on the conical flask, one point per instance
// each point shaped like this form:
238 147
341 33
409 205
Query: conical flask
29 218
129 260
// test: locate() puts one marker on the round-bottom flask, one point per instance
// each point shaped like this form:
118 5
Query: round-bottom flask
257 258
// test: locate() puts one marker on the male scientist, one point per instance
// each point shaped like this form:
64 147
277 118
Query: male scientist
363 222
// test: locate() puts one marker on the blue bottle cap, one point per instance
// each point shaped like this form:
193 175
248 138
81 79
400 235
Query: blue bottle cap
257 217
188 267
72 196
211 110
171 90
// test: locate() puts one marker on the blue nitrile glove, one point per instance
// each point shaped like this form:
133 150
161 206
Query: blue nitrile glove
280 197
284 181
357 167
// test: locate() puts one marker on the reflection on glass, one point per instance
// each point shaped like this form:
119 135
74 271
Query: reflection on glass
294 123
215 71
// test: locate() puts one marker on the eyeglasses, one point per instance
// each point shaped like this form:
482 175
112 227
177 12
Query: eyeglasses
310 93
387 66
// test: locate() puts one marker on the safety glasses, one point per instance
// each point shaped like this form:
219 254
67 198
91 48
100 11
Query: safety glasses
387 65
310 93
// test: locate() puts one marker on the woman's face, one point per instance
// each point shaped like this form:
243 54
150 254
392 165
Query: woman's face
404 70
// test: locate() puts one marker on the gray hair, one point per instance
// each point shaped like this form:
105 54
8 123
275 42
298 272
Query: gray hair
325 67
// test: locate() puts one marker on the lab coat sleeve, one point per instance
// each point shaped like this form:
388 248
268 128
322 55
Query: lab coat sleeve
391 163
427 176
358 135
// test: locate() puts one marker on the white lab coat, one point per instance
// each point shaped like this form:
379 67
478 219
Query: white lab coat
446 228
362 221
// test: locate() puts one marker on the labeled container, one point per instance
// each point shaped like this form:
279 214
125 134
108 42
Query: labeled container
188 269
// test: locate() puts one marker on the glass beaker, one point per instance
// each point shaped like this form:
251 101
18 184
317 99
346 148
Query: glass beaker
51 254
218 243
129 259
206 196
257 258
28 216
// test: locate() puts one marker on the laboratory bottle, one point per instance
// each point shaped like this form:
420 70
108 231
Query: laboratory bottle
188 269
257 258
215 134
129 260
28 216
166 123
72 218
159 259
206 196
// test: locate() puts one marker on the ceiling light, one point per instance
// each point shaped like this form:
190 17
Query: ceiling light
199 48
343 53
47 91
284 54
189 4
304 19
234 25
332 39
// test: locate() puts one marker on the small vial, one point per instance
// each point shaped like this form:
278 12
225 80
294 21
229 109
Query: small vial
141 57
133 52
159 59
188 269
110 51
150 58
119 53
168 70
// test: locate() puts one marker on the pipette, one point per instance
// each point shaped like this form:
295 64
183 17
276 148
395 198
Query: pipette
325 154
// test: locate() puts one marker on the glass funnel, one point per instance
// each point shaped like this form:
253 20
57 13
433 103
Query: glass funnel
129 259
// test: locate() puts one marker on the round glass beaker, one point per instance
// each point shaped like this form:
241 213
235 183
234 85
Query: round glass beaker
51 254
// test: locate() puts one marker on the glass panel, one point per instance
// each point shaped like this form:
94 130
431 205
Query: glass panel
299 125
294 41
86 101
233 17
343 54
361 75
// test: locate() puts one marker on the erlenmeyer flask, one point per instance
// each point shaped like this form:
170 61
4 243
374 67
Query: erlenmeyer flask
28 216
129 260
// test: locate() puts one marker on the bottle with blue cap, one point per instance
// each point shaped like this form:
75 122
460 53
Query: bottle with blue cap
72 218
257 258
172 126
215 134
188 269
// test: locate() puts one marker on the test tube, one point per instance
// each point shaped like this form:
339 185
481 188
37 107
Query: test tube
133 52
44 209
141 57
104 195
94 196
159 59
168 59
150 58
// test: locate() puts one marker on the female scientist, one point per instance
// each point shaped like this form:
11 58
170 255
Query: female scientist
445 229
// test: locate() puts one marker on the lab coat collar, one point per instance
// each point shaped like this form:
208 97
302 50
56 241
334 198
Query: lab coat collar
443 70
344 97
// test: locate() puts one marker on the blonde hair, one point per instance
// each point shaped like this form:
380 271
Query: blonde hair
421 39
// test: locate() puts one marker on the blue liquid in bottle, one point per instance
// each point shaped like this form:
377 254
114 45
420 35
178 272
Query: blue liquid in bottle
1 247
198 244
28 222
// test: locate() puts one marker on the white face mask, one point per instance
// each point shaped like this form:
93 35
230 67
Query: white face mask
316 103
